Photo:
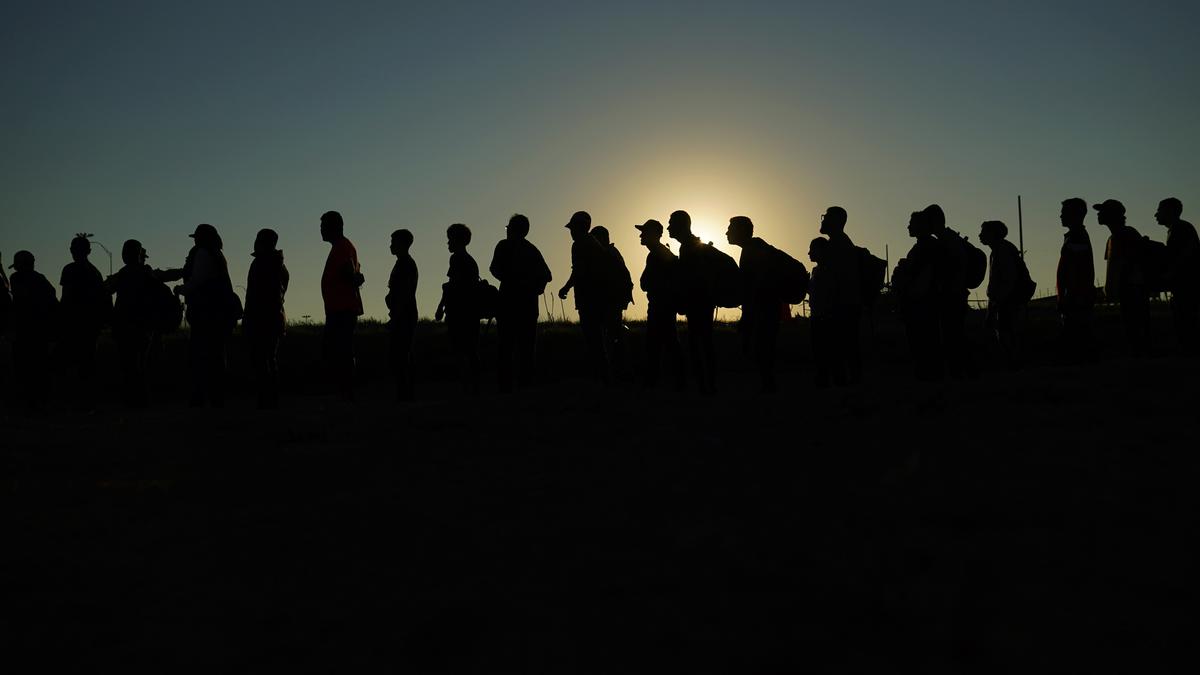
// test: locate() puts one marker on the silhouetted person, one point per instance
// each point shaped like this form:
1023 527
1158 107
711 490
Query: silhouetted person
659 282
762 300
340 283
1183 272
86 307
143 306
523 275
914 285
844 294
5 321
460 306
1125 277
696 300
589 264
401 302
950 286
1076 284
212 315
819 308
265 321
1008 289
618 286
35 306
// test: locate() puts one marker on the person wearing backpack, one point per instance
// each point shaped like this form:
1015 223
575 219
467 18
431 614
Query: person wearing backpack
34 309
699 281
1183 272
86 308
844 294
1125 275
618 285
1008 291
265 321
340 283
1075 284
211 315
401 301
143 307
763 303
913 284
952 288
589 280
523 275
460 307
658 282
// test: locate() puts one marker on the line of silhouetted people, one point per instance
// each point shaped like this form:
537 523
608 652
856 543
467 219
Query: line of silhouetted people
930 287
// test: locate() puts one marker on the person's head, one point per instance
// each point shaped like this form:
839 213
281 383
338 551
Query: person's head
601 234
992 232
1170 210
458 236
206 237
518 227
649 232
679 225
81 248
1110 212
332 227
402 240
22 262
580 223
934 219
916 224
816 249
1074 210
133 253
740 231
266 241
834 220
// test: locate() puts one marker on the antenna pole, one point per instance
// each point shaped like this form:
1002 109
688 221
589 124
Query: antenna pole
1021 227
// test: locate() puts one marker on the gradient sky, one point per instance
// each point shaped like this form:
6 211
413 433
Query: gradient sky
142 119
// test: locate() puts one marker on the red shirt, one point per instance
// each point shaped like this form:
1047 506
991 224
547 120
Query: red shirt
339 292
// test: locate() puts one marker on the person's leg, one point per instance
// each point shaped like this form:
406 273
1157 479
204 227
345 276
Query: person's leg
655 344
849 334
592 325
526 346
402 342
506 337
197 364
700 337
820 352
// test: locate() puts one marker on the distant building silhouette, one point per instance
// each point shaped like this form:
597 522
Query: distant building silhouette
265 320
340 283
402 312
523 275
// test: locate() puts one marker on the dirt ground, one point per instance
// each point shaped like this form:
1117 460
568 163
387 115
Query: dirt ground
1039 521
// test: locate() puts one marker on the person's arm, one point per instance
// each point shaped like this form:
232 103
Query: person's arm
497 266
562 292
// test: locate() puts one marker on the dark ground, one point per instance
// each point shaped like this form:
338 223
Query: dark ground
1034 522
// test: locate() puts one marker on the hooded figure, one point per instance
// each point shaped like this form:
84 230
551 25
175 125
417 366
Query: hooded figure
212 313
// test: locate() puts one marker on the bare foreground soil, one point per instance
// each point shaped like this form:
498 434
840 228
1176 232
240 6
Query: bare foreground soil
1043 521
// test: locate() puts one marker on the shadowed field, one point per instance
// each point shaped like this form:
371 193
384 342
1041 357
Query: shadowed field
1037 521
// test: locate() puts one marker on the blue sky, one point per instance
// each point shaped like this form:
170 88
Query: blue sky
142 119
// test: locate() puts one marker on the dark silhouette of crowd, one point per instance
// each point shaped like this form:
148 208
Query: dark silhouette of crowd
929 289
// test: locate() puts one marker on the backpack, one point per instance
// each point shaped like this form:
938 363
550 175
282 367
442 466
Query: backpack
721 277
1026 286
1154 262
793 278
975 268
872 271
487 299
165 310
